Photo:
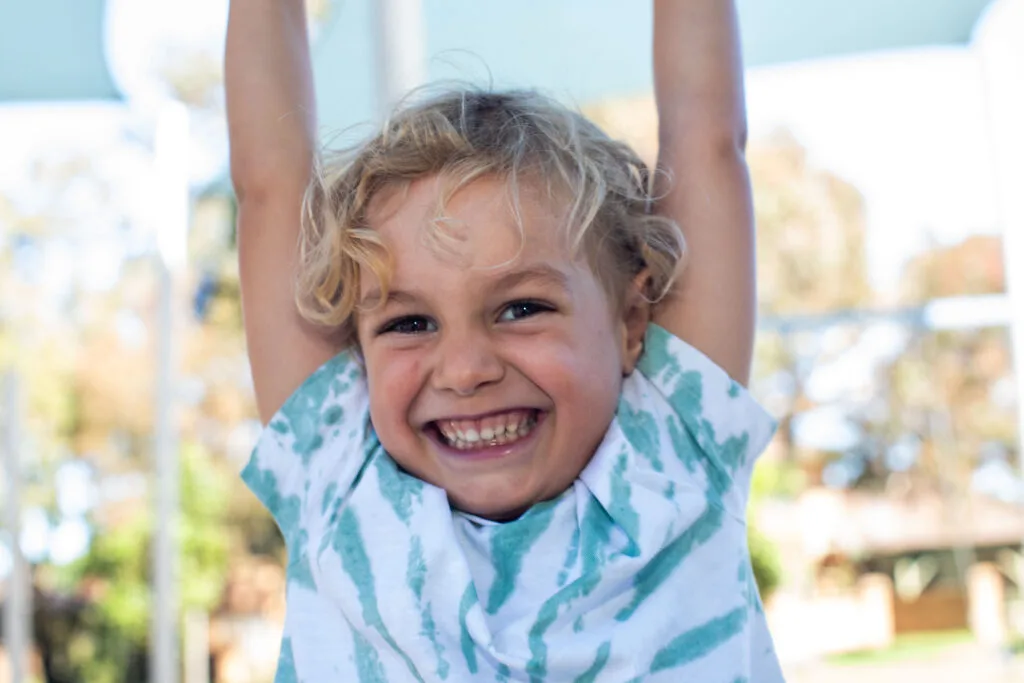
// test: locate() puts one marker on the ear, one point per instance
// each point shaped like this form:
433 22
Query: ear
636 315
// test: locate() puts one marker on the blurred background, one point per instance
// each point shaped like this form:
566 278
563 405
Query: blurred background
886 151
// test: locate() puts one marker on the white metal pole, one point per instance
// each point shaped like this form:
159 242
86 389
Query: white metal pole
1002 59
18 610
1002 62
197 647
171 161
400 50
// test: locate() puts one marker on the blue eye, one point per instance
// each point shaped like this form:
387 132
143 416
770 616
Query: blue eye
517 310
410 324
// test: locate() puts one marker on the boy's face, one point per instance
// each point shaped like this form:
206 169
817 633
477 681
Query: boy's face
494 367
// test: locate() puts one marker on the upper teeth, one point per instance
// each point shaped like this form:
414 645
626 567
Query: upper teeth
493 430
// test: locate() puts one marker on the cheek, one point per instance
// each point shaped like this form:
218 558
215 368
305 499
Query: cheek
581 375
393 381
596 368
599 328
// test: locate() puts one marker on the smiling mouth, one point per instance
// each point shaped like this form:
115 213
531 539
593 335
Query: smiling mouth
494 430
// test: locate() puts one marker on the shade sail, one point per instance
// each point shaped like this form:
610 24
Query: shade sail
585 50
792 30
579 49
53 50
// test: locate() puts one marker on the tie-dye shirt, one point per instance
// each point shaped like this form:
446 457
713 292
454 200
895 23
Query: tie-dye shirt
638 572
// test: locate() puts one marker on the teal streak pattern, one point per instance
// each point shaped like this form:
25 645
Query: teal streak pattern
469 599
661 567
590 675
595 534
348 543
286 664
700 641
509 544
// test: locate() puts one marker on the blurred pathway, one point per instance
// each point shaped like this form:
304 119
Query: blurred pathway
959 664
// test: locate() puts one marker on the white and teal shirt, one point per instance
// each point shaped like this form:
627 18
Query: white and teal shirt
639 572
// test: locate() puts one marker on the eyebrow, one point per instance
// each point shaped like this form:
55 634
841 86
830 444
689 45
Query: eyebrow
540 274
372 298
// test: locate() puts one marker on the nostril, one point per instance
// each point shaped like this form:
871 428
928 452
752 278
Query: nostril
465 368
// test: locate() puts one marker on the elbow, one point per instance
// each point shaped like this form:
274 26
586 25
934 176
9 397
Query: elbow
270 167
716 138
250 178
257 182
249 188
727 144
741 136
709 148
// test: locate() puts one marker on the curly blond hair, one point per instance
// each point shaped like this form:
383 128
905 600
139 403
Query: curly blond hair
521 137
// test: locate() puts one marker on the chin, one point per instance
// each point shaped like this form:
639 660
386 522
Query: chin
493 507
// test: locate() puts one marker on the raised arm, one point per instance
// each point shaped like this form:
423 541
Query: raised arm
698 82
272 129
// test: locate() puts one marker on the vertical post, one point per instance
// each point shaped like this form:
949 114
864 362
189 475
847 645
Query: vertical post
1001 56
197 647
1002 61
172 215
399 32
18 610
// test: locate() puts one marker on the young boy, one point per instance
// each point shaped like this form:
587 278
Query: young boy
515 469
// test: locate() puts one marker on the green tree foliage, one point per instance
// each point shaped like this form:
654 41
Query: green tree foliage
116 575
811 260
86 359
765 562
950 392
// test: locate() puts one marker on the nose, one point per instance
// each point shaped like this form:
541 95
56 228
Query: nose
466 362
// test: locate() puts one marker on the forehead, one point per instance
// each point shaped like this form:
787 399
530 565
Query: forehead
478 227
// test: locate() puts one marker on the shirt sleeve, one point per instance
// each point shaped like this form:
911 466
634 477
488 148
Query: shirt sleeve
312 450
728 427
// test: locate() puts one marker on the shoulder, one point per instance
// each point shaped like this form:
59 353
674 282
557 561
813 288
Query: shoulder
331 398
319 435
711 417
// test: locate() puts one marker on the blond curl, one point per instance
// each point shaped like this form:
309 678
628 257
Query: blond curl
519 136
